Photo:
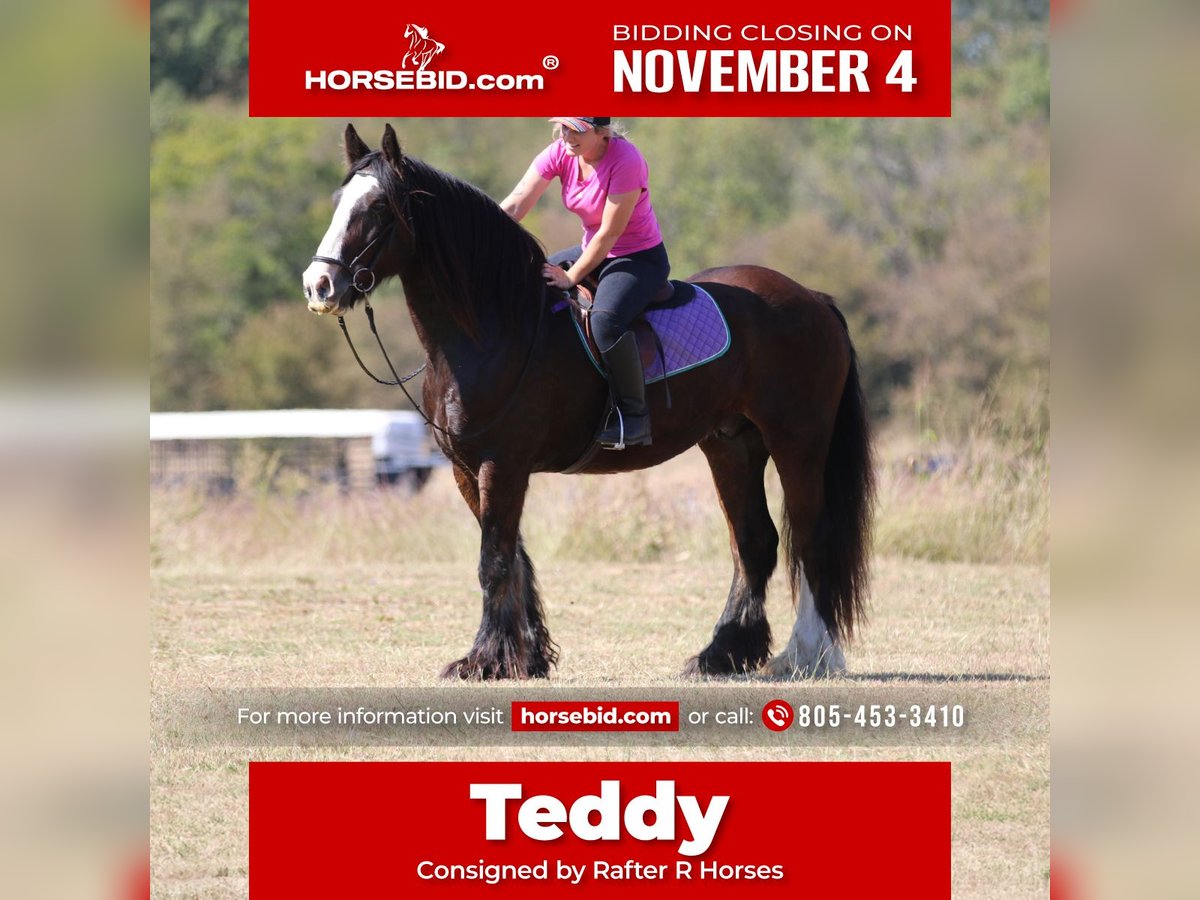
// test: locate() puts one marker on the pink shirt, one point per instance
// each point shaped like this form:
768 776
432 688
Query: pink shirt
621 170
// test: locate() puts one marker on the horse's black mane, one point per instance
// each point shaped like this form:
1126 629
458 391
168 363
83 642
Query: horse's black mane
486 268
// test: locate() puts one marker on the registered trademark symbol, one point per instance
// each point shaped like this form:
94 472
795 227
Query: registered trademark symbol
550 62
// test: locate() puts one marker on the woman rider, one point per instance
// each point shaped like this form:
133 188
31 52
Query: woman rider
605 181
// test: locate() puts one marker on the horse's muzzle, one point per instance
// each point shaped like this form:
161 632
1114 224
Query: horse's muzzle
320 290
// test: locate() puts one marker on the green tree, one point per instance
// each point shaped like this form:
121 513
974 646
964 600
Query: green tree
238 206
713 181
202 48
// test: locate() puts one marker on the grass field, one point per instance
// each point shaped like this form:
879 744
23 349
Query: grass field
381 592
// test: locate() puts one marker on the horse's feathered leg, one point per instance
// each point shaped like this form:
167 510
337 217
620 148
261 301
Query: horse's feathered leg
829 501
814 646
742 637
811 651
512 641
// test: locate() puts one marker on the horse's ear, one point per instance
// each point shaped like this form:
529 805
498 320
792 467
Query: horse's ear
355 148
391 147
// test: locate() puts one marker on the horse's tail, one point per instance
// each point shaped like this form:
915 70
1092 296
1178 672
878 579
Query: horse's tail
836 556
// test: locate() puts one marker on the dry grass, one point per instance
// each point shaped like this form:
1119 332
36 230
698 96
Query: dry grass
391 624
989 504
380 591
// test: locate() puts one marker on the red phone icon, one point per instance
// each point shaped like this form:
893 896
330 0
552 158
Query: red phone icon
778 715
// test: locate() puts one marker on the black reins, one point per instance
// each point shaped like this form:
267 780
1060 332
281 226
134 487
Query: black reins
365 285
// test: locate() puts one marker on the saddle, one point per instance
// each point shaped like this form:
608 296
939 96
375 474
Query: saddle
682 328
583 295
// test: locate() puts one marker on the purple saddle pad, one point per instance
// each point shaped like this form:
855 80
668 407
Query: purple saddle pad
692 334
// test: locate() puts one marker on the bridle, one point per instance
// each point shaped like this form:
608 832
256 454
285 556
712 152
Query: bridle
353 268
362 280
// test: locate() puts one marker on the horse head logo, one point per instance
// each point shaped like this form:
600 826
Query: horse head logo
421 47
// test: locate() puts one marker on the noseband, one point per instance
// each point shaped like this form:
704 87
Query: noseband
362 278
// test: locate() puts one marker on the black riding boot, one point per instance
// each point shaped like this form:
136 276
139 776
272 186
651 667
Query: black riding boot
629 425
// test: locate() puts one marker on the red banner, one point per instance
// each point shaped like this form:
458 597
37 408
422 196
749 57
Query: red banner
864 58
584 829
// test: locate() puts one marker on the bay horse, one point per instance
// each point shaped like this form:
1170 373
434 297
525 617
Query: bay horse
510 391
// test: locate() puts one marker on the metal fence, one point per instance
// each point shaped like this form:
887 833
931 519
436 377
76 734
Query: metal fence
290 450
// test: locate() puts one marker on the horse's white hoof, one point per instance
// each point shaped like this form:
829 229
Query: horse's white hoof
788 666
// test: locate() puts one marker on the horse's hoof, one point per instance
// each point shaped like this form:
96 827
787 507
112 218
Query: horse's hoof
709 662
474 669
463 670
468 669
786 667
734 650
703 665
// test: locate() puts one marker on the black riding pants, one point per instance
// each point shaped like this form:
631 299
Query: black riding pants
627 285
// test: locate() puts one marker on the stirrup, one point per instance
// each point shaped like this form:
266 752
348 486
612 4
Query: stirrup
623 432
620 444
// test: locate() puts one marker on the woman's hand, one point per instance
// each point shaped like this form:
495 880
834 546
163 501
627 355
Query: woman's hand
556 276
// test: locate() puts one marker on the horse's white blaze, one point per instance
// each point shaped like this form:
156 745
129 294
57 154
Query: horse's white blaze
331 244
811 651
